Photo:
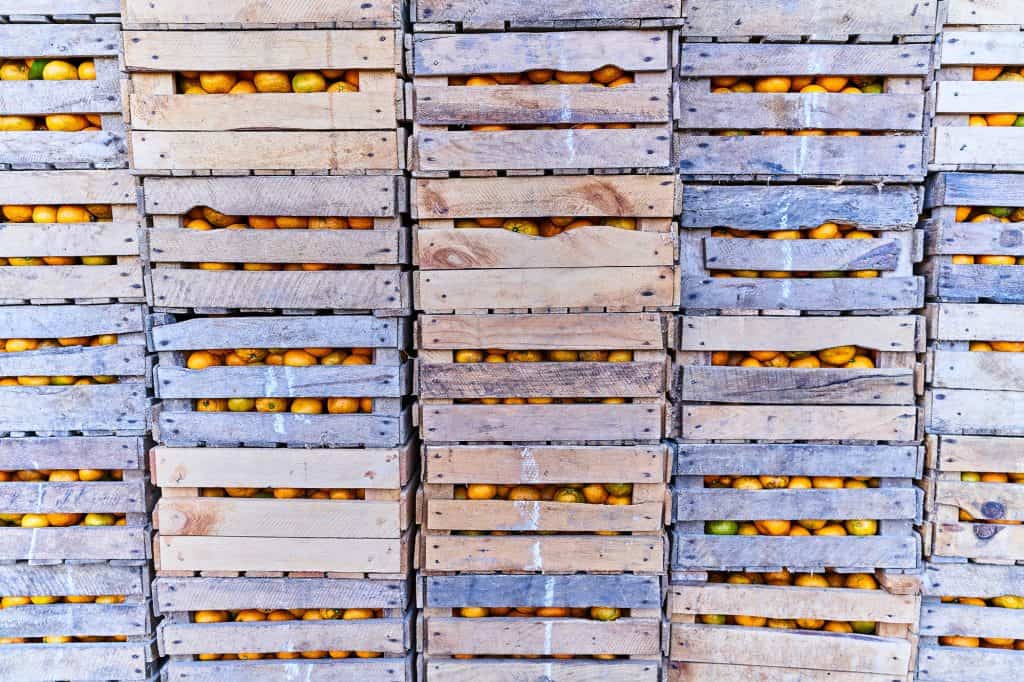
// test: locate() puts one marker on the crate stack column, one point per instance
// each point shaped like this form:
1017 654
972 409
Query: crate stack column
975 441
74 378
541 344
796 372
271 152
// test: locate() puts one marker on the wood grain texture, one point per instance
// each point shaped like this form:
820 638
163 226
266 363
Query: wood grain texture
966 411
983 501
992 147
519 12
794 459
368 381
75 543
1003 284
343 555
121 281
540 636
69 239
172 595
809 17
824 386
969 580
724 253
979 453
770 59
971 48
249 13
981 371
580 591
705 110
696 552
981 12
120 407
116 360
558 554
974 189
840 293
979 541
94 620
364 670
570 671
556 380
59 41
706 504
56 321
385 635
37 97
116 497
62 7
976 238
976 322
278 332
71 579
589 331
117 661
529 516
955 664
68 186
895 333
968 97
100 149
496 423
684 671
799 422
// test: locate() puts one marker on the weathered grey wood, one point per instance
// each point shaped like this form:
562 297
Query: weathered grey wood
495 423
580 591
52 322
971 48
976 453
536 553
968 97
68 186
771 59
101 149
589 331
894 157
540 636
794 459
992 238
991 147
369 381
960 12
685 671
891 333
707 504
74 579
69 239
971 580
98 661
775 207
738 18
443 55
800 422
825 386
247 14
192 594
363 670
74 498
803 294
543 516
801 110
452 670
958 664
1000 283
559 380
976 322
121 281
997 501
63 7
60 41
801 254
32 98
520 12
97 620
358 247
101 543
377 634
982 371
975 189
278 332
715 552
116 360
74 408
316 195
971 621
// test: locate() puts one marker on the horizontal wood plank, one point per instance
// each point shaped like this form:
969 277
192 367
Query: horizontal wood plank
794 110
993 238
496 423
528 516
74 579
351 247
542 636
957 664
799 386
966 411
368 381
122 280
797 459
771 59
278 332
799 422
520 12
938 620
107 660
579 591
625 553
98 543
69 239
115 497
619 670
194 594
100 149
974 189
977 370
92 620
543 379
892 333
249 14
707 504
972 48
74 408
115 360
59 42
343 555
365 670
979 453
807 17
589 331
969 97
384 635
38 97
68 186
840 293
979 146
748 553
816 255
57 321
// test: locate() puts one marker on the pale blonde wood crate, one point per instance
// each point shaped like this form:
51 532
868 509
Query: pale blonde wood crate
335 132
938 663
135 659
180 639
500 15
593 268
47 11
43 149
896 154
436 150
119 408
890 213
121 238
385 290
273 14
946 237
976 33
576 545
700 652
820 21
387 381
441 381
499 643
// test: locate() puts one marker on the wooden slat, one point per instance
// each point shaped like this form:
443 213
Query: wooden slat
980 146
977 238
68 186
61 41
540 636
122 281
53 322
680 671
256 14
938 620
704 504
258 50
529 516
980 453
982 371
722 253
69 239
344 555
31 98
99 661
974 189
74 498
74 543
974 322
802 110
364 670
979 541
971 48
969 97
797 459
74 579
957 664
522 12
577 671
723 18
101 149
984 12
496 423
64 7
966 411
997 282
969 580
277 332
589 331
799 422
580 591
716 552
557 380
74 408
745 333
824 386
636 553
771 59
172 595
320 430
371 381
844 293
95 620
384 635
116 360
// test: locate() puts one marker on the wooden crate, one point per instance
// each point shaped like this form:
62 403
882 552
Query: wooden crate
441 381
104 148
977 34
235 14
891 213
232 535
385 289
499 643
938 663
178 424
974 393
436 150
592 268
896 504
946 237
724 403
46 11
699 652
265 131
548 537
120 281
127 544
819 20
986 539
450 15
180 639
96 409
134 659
896 153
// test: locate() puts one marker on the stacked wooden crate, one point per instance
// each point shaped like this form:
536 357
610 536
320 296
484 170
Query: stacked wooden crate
74 376
547 259
796 370
279 286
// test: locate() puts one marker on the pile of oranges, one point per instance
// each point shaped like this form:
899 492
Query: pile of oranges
545 227
497 355
287 493
783 578
250 82
991 214
604 614
41 600
823 231
56 214
997 346
990 477
847 85
294 357
279 615
803 527
997 73
604 77
853 357
27 345
1005 602
49 70
60 520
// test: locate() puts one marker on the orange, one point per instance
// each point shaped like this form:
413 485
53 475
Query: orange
271 404
299 358
272 81
216 82
831 529
975 121
813 88
307 406
540 75
773 527
773 84
201 359
832 83
342 405
572 77
479 491
1001 120
824 231
607 74
987 73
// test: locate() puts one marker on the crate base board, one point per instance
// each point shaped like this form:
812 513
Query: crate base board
680 671
723 553
977 542
960 664
313 670
499 670
78 661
